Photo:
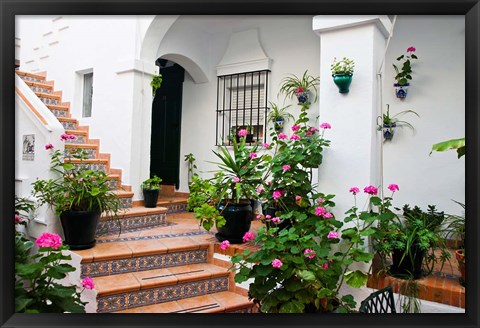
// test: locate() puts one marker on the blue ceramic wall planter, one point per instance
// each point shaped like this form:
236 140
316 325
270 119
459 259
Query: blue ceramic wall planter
401 90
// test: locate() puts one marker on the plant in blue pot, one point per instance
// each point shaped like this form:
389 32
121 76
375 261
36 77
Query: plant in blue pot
301 88
342 73
278 116
390 122
404 73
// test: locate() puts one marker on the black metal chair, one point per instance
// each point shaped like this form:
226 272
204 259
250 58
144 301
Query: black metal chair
380 301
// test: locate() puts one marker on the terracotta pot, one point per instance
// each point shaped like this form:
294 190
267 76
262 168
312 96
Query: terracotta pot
460 256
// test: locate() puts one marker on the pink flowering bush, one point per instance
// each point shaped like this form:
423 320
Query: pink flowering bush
37 287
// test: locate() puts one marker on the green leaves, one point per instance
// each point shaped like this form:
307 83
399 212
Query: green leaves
356 278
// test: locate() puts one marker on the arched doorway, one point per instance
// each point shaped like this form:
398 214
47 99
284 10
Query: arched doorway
166 124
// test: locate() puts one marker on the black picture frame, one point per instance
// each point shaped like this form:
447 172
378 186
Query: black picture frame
10 8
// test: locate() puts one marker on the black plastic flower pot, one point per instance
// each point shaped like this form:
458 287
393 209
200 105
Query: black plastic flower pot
238 217
407 263
272 211
79 228
150 197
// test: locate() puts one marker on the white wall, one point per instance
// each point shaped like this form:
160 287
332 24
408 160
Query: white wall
437 94
205 40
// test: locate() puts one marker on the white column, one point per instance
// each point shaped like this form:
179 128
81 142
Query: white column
353 157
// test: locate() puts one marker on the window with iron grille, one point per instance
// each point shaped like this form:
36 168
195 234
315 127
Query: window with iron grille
242 104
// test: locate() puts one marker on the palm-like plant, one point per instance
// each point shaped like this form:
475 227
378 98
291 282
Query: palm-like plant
292 84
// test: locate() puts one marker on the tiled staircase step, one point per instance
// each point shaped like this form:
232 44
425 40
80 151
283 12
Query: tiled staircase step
40 87
126 291
59 110
30 76
97 164
139 255
133 218
212 303
81 135
126 197
49 99
174 204
92 149
68 123
114 181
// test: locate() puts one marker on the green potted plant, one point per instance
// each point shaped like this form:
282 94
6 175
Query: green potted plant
389 123
232 191
151 189
278 116
412 242
156 83
342 73
292 85
79 196
404 72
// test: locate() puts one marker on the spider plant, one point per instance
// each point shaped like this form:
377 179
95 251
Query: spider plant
389 122
292 84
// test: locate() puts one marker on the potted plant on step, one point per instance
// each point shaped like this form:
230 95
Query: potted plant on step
79 196
342 73
278 116
389 123
151 189
229 206
404 73
301 88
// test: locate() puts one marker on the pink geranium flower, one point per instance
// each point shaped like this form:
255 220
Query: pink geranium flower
253 155
242 133
392 187
295 137
308 133
310 253
325 266
282 136
277 194
48 146
320 200
325 125
224 244
411 49
354 190
266 145
295 128
297 198
371 190
276 219
320 211
328 215
88 283
332 235
259 190
18 219
300 90
286 167
248 236
277 263
236 179
51 240
268 216
313 129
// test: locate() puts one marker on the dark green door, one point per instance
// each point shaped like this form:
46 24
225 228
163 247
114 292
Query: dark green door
166 124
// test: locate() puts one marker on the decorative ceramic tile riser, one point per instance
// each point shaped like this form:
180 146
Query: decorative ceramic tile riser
113 184
150 262
176 208
92 153
36 88
126 202
59 112
31 79
49 101
79 140
69 125
249 309
112 226
128 300
93 166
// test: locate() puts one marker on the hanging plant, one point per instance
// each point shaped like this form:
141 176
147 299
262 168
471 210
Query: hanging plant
342 73
404 74
156 82
390 122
